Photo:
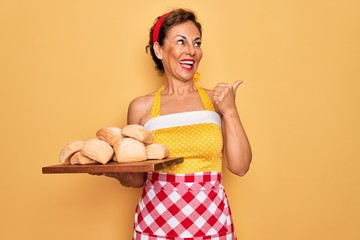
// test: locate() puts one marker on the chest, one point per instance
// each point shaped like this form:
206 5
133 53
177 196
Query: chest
169 105
195 140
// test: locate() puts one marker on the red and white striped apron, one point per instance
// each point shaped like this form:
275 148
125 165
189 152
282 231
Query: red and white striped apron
183 206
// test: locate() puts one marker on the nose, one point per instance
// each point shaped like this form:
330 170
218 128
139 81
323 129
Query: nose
190 50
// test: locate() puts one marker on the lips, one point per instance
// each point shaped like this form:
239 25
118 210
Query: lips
187 64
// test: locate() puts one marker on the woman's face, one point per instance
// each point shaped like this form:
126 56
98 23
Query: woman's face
181 51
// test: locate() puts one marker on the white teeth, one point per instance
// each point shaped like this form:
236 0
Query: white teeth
187 62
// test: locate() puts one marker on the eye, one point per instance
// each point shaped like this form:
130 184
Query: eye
181 41
197 44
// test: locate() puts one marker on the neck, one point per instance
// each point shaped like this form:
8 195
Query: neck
179 88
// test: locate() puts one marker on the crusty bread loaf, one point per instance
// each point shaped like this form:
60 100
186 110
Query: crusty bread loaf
98 150
79 158
114 157
138 132
109 135
157 151
69 149
129 150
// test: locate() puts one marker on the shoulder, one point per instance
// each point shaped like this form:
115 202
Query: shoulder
140 108
208 91
211 96
142 101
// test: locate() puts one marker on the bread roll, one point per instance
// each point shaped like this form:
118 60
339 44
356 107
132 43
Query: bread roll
129 150
138 132
79 158
109 135
69 149
157 151
98 150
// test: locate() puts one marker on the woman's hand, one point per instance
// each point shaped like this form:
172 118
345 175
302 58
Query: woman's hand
224 95
126 179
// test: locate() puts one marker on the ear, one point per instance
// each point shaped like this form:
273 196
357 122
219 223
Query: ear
158 50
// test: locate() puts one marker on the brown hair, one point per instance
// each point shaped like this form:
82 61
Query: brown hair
175 17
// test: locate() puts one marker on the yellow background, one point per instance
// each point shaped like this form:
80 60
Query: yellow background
69 68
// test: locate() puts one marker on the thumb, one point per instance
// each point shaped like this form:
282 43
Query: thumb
236 84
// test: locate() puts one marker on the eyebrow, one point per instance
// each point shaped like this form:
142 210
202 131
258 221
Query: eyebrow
196 39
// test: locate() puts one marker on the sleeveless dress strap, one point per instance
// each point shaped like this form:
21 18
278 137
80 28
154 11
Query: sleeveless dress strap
155 108
205 99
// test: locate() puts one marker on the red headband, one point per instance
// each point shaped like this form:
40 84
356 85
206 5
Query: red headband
156 31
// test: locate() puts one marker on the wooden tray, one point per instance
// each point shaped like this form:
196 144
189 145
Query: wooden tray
143 166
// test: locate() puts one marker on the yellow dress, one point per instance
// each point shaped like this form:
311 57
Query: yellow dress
195 135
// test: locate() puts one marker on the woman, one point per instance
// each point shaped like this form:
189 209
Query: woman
203 126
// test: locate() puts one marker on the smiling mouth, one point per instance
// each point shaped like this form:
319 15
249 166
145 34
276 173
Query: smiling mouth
187 64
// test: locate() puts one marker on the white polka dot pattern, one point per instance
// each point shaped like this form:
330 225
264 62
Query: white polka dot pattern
199 144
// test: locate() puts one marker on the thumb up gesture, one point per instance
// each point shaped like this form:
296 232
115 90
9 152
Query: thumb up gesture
224 95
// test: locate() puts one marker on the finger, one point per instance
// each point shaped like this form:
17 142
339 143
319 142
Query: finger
217 99
236 84
218 92
223 84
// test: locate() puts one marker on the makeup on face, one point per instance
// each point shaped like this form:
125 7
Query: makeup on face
182 51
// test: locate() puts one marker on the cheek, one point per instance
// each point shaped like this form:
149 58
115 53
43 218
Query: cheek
200 55
173 54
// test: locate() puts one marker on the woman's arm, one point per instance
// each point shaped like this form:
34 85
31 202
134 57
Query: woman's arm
237 150
134 180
